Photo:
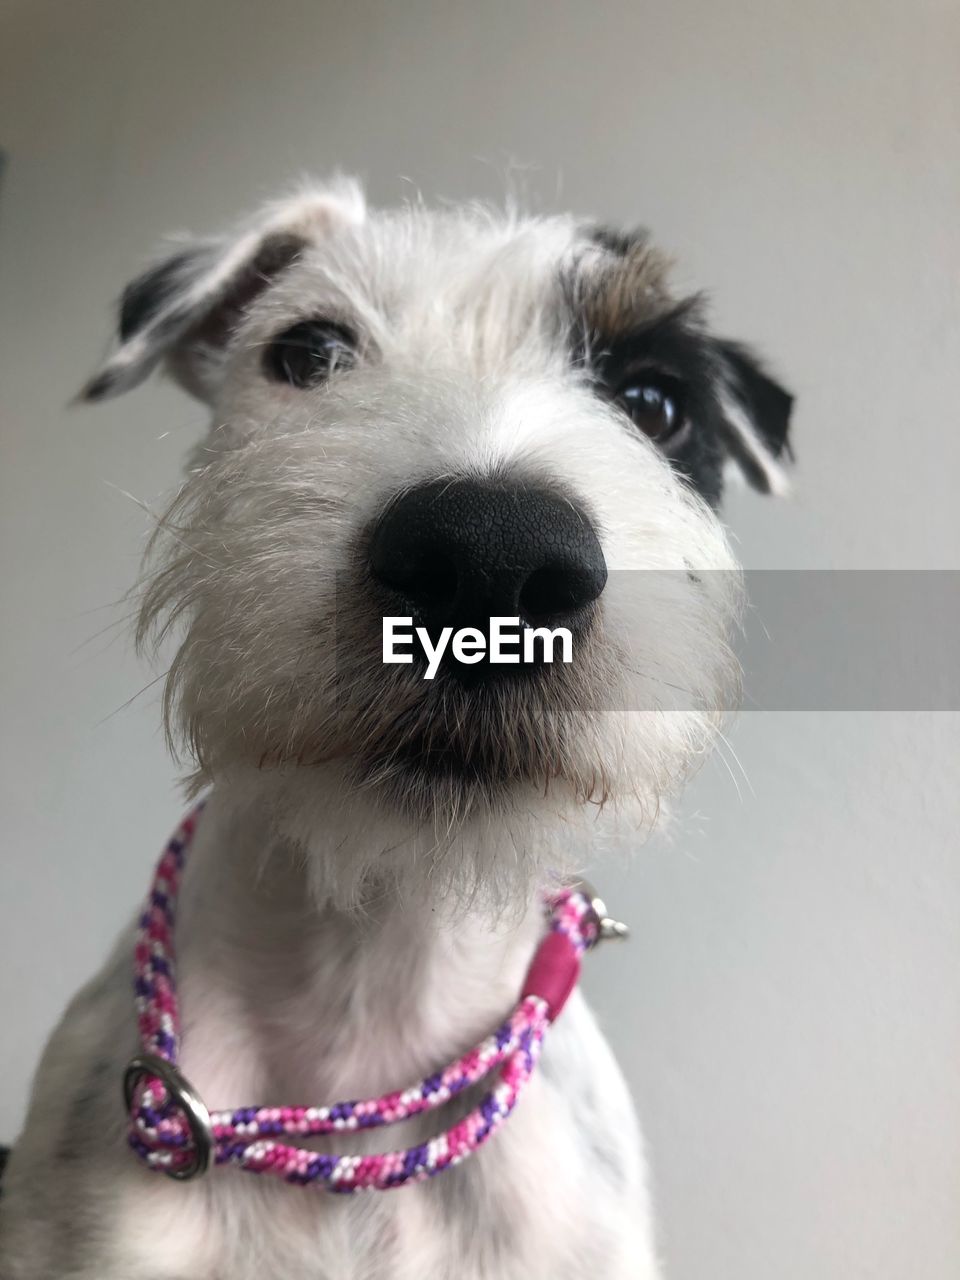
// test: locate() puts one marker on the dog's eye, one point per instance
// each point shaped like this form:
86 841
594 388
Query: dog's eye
655 404
310 352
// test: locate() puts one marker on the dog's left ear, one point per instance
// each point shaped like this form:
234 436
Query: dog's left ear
184 309
755 417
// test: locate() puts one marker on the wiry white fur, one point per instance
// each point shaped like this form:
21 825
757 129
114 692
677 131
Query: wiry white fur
330 943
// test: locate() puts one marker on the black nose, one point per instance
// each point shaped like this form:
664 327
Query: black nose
461 552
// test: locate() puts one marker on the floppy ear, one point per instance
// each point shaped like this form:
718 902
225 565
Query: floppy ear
756 417
185 308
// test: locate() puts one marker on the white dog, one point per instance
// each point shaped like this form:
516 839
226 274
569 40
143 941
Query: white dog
451 416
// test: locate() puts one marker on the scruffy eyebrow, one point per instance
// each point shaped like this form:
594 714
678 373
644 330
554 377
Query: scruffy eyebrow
674 337
618 282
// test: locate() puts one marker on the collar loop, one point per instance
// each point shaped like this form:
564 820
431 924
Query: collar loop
173 1132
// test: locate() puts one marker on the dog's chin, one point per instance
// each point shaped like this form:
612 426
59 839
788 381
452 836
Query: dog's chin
431 781
459 751
443 753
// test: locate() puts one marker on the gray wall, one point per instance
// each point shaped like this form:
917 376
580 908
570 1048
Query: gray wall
789 1010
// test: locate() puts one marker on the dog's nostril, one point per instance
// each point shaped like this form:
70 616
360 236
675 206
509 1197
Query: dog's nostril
423 575
558 590
457 553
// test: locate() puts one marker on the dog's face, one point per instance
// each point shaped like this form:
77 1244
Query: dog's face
449 416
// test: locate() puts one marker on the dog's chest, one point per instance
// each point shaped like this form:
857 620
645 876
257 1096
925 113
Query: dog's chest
325 1014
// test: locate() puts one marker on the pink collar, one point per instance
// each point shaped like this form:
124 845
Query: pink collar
174 1133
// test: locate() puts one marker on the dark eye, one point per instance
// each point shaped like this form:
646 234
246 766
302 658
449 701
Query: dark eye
309 353
655 404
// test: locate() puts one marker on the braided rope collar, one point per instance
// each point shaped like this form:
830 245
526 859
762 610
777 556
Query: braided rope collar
174 1133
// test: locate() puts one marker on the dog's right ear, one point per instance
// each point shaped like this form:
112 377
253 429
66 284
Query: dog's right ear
185 308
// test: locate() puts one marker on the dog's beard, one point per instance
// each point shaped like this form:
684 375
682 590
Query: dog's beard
453 751
445 761
432 750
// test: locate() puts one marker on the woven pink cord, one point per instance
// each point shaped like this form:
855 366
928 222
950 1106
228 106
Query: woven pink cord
163 1135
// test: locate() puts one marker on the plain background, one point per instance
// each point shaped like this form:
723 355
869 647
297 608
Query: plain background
788 1012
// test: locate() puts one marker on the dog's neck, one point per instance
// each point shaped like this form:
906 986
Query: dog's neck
288 998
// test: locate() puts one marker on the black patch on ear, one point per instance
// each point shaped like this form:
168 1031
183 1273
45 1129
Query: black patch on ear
145 297
766 403
100 387
217 321
183 311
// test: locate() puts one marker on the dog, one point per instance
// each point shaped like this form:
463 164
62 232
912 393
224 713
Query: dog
447 416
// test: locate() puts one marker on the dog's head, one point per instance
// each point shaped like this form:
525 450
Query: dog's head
449 416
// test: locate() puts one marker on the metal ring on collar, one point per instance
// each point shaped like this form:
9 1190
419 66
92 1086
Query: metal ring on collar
183 1096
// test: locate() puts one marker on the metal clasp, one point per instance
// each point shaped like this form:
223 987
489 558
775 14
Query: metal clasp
607 926
184 1096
